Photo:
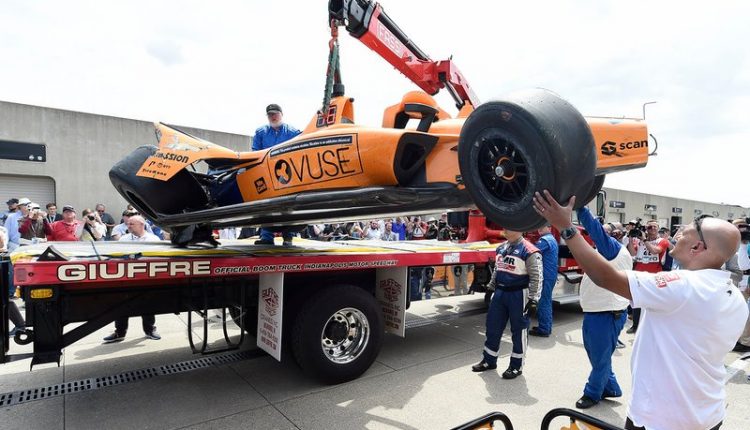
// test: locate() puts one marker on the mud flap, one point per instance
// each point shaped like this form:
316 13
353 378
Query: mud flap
270 311
391 290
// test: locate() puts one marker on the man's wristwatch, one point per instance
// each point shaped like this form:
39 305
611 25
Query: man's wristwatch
569 232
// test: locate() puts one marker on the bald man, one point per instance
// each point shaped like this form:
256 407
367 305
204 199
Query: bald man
137 233
691 320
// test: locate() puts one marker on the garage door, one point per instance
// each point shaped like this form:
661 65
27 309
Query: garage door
39 189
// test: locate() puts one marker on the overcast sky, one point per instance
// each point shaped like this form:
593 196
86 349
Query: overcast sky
216 65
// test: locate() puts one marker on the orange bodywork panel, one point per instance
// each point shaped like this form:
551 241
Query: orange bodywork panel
621 144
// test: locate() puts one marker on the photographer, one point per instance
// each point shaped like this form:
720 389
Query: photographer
648 250
32 226
93 227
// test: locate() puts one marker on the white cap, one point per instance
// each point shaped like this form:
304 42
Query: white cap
33 205
24 201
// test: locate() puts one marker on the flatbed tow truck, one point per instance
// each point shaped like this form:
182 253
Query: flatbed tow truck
329 302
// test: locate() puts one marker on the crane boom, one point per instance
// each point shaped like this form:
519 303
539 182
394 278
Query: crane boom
367 21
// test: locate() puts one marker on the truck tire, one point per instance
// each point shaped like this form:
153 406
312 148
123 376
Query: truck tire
338 333
152 196
527 142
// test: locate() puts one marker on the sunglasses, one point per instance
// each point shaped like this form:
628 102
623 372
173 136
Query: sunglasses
698 221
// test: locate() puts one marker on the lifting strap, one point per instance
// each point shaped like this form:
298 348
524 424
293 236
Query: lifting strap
333 74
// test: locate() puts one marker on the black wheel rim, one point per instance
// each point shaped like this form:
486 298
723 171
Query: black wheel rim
502 169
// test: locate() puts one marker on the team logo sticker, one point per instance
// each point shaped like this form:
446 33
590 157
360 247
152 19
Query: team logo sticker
314 161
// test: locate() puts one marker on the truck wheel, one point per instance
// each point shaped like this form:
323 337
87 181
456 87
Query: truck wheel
152 196
338 334
530 141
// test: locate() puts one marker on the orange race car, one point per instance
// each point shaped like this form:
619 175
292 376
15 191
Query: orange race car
493 155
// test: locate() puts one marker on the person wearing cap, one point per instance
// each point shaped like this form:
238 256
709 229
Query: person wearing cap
275 132
267 136
32 226
13 222
12 208
67 230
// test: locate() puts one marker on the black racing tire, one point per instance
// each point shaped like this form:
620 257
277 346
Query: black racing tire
338 334
527 142
153 197
593 189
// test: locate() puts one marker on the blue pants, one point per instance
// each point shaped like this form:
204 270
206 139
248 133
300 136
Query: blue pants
507 305
544 308
600 333
267 233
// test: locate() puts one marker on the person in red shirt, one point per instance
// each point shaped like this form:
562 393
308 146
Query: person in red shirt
69 229
648 252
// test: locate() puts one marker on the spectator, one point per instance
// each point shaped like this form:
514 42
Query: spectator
136 233
692 318
93 227
270 135
69 229
3 240
122 229
547 245
399 228
355 232
12 208
372 231
444 229
743 264
417 229
32 226
389 235
106 219
604 314
648 251
432 229
52 214
13 222
667 261
518 280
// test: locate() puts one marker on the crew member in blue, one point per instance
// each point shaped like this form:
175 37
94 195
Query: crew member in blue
272 134
604 315
547 245
518 281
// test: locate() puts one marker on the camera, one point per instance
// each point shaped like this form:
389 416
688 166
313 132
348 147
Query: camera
90 217
638 231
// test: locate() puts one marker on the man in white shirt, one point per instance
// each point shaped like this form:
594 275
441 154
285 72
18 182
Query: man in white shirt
691 320
136 233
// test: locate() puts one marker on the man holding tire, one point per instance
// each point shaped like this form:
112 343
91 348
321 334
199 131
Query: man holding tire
691 320
518 280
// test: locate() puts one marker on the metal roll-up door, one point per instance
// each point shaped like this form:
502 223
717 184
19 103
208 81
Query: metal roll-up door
38 189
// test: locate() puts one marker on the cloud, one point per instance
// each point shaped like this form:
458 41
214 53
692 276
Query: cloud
168 52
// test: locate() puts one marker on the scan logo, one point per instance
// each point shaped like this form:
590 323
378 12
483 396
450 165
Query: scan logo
610 148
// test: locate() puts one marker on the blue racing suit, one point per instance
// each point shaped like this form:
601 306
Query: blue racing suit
604 314
267 137
547 245
517 278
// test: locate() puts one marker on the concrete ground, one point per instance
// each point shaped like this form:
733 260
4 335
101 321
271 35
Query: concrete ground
421 382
